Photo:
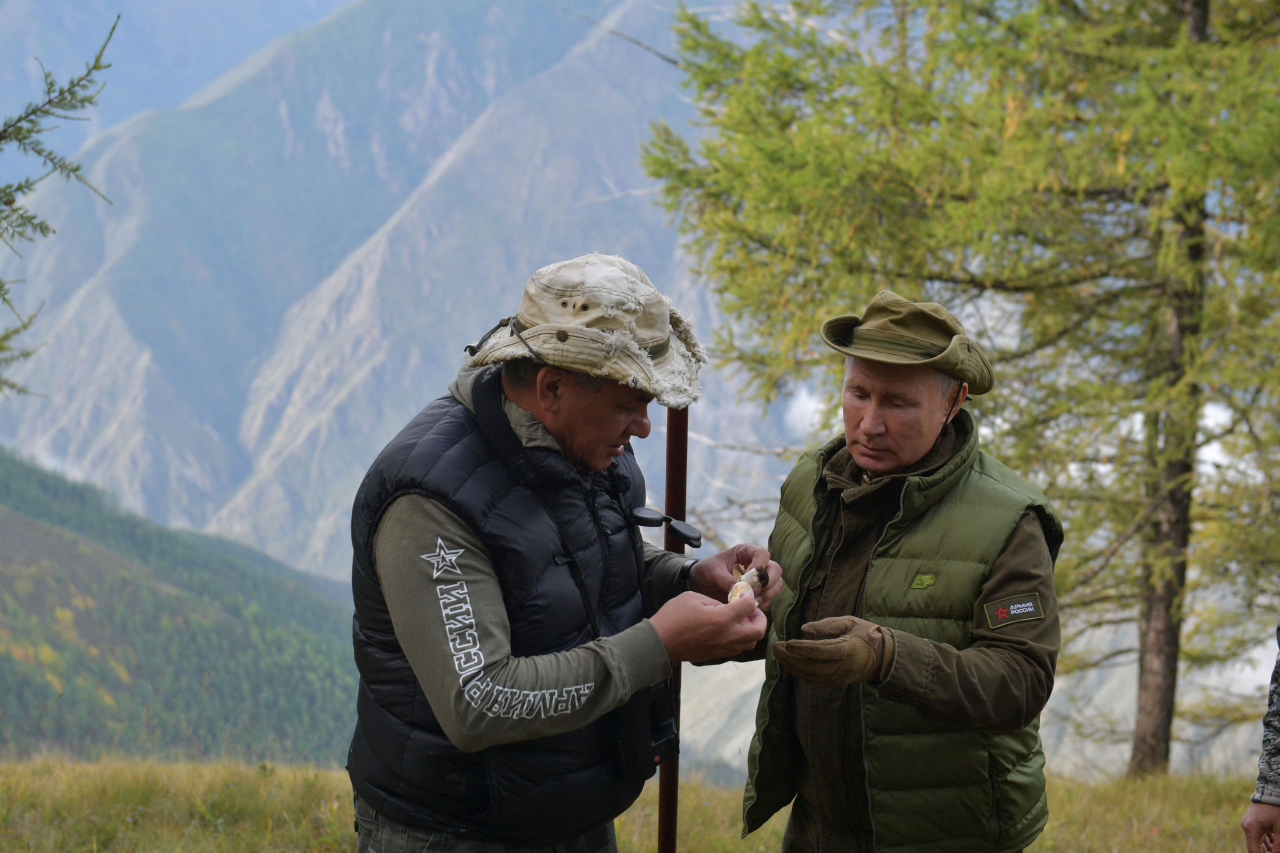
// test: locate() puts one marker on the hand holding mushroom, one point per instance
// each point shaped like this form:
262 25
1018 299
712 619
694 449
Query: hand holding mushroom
715 576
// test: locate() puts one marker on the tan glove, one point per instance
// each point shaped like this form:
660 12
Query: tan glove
842 650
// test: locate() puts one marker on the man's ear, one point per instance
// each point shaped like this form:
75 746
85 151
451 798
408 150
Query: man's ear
550 387
962 394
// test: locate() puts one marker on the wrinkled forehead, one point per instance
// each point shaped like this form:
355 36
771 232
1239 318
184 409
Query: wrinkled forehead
615 393
881 376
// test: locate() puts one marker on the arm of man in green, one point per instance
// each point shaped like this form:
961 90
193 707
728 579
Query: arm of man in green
1002 680
445 602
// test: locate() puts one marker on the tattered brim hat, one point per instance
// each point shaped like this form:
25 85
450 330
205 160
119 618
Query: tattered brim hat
601 316
894 330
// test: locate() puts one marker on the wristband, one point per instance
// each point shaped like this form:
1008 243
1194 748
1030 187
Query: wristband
684 572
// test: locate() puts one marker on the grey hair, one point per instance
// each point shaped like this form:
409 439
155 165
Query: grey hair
523 372
946 383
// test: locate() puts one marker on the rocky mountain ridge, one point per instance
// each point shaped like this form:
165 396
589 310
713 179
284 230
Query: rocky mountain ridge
294 258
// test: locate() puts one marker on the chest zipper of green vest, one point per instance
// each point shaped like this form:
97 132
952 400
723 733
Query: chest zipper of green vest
862 695
813 547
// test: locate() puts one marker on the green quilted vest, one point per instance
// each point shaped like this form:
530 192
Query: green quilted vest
931 787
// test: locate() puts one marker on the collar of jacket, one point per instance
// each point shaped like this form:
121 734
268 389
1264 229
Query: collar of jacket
919 492
528 429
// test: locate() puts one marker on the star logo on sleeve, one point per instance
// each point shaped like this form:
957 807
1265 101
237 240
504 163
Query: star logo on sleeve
443 560
1014 609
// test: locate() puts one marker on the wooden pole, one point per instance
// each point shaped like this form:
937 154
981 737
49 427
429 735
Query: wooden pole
677 476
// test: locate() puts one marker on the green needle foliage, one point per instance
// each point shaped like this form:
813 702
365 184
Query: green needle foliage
1093 187
19 224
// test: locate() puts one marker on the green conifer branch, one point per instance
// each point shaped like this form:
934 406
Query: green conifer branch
20 224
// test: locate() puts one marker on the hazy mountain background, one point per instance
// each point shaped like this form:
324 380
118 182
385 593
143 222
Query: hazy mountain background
310 217
163 50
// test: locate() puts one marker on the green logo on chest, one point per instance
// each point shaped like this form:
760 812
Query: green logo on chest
923 581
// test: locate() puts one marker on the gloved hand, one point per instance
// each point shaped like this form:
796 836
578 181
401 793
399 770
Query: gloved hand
839 651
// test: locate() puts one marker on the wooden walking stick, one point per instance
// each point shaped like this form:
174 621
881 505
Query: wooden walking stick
677 474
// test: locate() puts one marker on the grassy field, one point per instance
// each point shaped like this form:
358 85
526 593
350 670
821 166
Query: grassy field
51 805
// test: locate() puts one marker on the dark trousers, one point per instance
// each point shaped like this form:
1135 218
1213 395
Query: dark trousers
378 834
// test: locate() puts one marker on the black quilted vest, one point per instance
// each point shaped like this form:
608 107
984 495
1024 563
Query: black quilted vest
530 793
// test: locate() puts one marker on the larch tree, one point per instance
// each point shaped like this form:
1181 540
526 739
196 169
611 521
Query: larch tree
18 224
1093 187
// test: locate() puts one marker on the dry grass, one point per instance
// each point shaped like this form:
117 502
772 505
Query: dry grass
51 805
710 820
56 805
1196 814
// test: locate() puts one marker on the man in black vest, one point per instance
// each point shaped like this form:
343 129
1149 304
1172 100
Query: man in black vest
511 689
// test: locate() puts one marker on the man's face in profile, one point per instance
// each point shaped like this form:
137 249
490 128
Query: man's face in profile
892 414
592 426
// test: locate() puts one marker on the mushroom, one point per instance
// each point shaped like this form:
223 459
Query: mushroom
748 580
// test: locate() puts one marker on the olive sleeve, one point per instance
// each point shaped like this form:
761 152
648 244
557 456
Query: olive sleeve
1268 788
1003 679
446 606
660 583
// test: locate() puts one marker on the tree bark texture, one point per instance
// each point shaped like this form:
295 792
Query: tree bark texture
1172 450
1161 598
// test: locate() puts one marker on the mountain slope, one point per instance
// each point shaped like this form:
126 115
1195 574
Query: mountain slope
124 636
162 52
295 258
159 308
547 172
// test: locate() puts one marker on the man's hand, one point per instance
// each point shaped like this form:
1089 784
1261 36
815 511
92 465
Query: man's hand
842 650
713 576
1261 825
696 628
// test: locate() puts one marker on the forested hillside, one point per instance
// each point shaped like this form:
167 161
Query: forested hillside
118 635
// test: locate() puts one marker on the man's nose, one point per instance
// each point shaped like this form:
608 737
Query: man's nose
872 422
640 426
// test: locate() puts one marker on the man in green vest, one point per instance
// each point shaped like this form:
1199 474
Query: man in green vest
913 644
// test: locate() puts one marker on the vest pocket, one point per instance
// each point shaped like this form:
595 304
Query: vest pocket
993 822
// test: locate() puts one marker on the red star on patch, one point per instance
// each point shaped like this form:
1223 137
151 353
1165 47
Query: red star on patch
1002 613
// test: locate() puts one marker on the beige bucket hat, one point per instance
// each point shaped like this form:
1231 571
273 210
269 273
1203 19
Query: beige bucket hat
894 330
600 315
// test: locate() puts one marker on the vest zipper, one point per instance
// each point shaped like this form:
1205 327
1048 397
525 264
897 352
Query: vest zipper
637 541
862 694
604 543
813 547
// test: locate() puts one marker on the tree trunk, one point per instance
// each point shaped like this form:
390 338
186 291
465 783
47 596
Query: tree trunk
1172 451
1164 580
1165 566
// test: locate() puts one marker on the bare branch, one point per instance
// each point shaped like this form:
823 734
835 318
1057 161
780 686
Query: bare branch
664 57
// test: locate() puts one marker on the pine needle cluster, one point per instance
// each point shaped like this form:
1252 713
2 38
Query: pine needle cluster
18 223
1094 188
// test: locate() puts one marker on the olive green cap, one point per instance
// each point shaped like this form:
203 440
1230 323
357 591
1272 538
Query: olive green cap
894 330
